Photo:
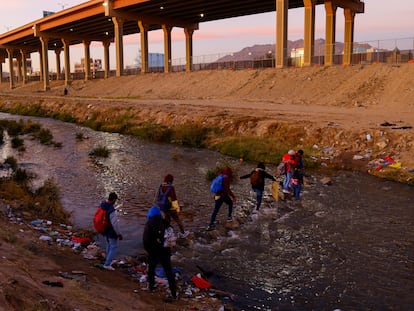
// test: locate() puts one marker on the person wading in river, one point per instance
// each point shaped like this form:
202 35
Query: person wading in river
257 180
223 196
168 203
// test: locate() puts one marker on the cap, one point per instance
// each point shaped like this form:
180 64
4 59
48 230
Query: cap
291 152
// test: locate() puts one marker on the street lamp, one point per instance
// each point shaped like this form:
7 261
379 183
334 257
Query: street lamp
62 5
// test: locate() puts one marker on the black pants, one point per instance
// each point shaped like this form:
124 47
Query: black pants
162 256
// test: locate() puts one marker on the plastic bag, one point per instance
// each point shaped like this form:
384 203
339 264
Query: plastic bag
170 240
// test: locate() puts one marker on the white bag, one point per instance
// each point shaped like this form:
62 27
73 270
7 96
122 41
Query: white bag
170 240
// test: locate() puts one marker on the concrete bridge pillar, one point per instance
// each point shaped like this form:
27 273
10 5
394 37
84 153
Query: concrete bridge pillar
66 45
119 45
309 35
87 63
167 47
188 48
10 52
282 8
45 59
58 69
330 8
24 66
106 45
143 29
349 36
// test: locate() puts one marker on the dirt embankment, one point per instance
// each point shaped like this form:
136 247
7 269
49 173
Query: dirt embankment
341 111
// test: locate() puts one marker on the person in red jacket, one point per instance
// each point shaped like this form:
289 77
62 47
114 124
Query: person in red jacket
223 196
289 160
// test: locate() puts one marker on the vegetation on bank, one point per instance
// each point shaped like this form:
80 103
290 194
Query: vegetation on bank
17 194
268 147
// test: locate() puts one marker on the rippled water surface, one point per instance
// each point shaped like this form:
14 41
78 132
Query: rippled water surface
347 246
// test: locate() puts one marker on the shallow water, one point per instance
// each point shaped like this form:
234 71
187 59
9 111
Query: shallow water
347 246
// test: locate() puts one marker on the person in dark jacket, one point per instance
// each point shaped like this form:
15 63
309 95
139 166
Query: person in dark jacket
112 233
257 180
223 196
153 240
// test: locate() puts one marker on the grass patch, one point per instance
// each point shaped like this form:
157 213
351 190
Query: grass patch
191 134
153 132
100 151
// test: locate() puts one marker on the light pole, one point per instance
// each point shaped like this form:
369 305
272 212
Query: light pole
62 5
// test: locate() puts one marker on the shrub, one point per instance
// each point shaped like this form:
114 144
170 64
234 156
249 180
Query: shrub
12 162
100 151
17 142
79 136
44 136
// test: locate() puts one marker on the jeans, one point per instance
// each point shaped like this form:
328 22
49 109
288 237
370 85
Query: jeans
111 247
259 196
217 204
296 191
286 181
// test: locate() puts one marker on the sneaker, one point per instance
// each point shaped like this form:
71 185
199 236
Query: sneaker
186 234
210 227
110 268
183 235
229 219
285 191
170 299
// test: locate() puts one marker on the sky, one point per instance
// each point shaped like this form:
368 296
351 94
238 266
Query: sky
385 23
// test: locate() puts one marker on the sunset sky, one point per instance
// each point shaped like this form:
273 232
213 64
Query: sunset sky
383 20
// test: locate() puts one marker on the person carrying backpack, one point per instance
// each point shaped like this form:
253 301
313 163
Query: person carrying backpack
257 180
153 240
168 203
112 232
290 164
225 195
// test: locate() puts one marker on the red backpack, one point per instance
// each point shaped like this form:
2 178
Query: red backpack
100 220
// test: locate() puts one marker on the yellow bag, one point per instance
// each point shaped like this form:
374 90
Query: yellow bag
175 206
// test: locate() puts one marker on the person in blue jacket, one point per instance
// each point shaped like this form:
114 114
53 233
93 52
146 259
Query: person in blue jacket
112 232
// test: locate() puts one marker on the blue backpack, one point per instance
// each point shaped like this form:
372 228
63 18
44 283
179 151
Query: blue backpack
163 201
217 184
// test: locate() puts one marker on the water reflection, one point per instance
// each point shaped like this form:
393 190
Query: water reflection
347 246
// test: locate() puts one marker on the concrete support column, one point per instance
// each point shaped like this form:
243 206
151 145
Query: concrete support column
309 35
58 69
143 29
330 8
188 48
167 47
41 65
66 45
19 67
11 71
282 7
2 59
87 63
349 36
119 45
45 57
24 66
106 45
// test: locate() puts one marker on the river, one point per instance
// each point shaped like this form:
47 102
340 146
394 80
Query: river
347 246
